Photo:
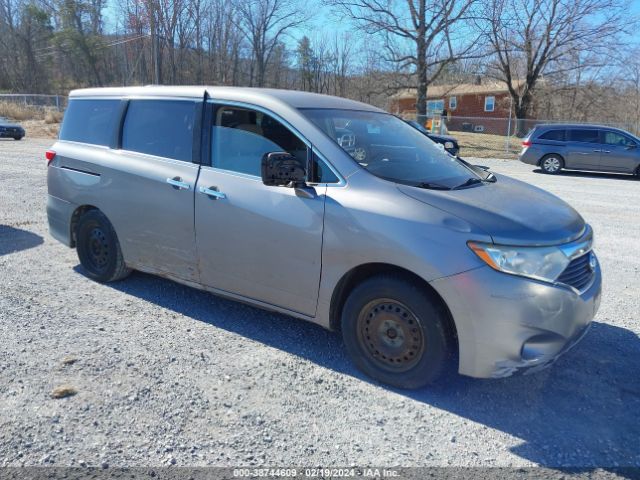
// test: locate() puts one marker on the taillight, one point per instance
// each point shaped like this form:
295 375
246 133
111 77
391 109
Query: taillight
49 155
526 143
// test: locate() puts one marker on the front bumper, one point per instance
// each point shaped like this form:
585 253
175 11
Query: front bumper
508 324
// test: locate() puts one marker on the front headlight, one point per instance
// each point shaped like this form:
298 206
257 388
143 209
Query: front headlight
541 263
448 145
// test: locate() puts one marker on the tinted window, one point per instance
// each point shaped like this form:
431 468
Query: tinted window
557 135
90 121
587 136
160 127
240 138
615 138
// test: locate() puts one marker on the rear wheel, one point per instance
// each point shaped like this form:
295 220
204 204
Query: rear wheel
551 164
17 138
98 248
396 332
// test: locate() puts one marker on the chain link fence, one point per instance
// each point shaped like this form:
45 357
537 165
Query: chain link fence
495 137
57 102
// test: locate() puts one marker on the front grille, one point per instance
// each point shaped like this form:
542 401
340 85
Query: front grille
578 273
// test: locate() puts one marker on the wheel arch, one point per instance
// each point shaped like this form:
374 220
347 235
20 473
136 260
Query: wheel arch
360 273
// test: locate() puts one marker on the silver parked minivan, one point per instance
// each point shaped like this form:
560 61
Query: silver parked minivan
419 258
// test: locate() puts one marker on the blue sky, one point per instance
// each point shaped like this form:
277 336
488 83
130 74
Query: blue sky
322 22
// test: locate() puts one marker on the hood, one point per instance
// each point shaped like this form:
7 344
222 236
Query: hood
510 211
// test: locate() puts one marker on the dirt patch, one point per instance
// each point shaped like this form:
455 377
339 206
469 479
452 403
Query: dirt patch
40 129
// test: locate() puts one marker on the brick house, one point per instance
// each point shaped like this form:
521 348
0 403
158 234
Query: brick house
481 107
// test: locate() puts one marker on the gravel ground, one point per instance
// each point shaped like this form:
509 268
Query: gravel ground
164 374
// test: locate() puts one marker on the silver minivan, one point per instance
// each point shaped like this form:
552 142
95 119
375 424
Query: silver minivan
421 260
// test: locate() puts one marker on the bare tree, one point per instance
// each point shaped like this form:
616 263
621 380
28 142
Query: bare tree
264 23
530 38
420 37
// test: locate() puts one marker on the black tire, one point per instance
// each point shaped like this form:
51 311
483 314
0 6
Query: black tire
403 309
17 138
98 248
552 164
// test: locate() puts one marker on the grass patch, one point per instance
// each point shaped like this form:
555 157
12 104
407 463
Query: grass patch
19 112
52 116
486 145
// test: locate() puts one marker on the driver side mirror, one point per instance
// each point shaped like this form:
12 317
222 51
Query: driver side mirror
632 146
281 169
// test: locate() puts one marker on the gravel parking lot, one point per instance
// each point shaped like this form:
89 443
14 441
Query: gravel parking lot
166 374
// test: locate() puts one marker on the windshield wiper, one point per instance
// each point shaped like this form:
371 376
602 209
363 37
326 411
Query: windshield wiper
432 186
469 182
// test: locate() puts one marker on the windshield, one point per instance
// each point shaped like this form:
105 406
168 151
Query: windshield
391 149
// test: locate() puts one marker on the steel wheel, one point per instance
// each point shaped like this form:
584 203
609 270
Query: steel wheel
99 250
551 164
389 332
396 331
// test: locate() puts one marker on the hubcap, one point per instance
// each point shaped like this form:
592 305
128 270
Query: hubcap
98 248
552 164
390 334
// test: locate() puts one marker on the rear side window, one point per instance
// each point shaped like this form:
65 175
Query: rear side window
584 135
90 121
163 128
556 135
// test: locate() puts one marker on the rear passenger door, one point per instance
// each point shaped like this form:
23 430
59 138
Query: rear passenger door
583 149
152 185
619 153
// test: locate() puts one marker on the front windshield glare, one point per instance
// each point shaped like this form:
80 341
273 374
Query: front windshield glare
391 149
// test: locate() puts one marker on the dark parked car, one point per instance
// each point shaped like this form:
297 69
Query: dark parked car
10 130
450 143
581 147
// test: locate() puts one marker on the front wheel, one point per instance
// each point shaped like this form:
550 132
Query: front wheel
551 164
396 332
17 138
98 248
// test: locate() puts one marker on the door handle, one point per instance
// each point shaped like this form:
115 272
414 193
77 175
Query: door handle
178 184
212 193
597 151
605 151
